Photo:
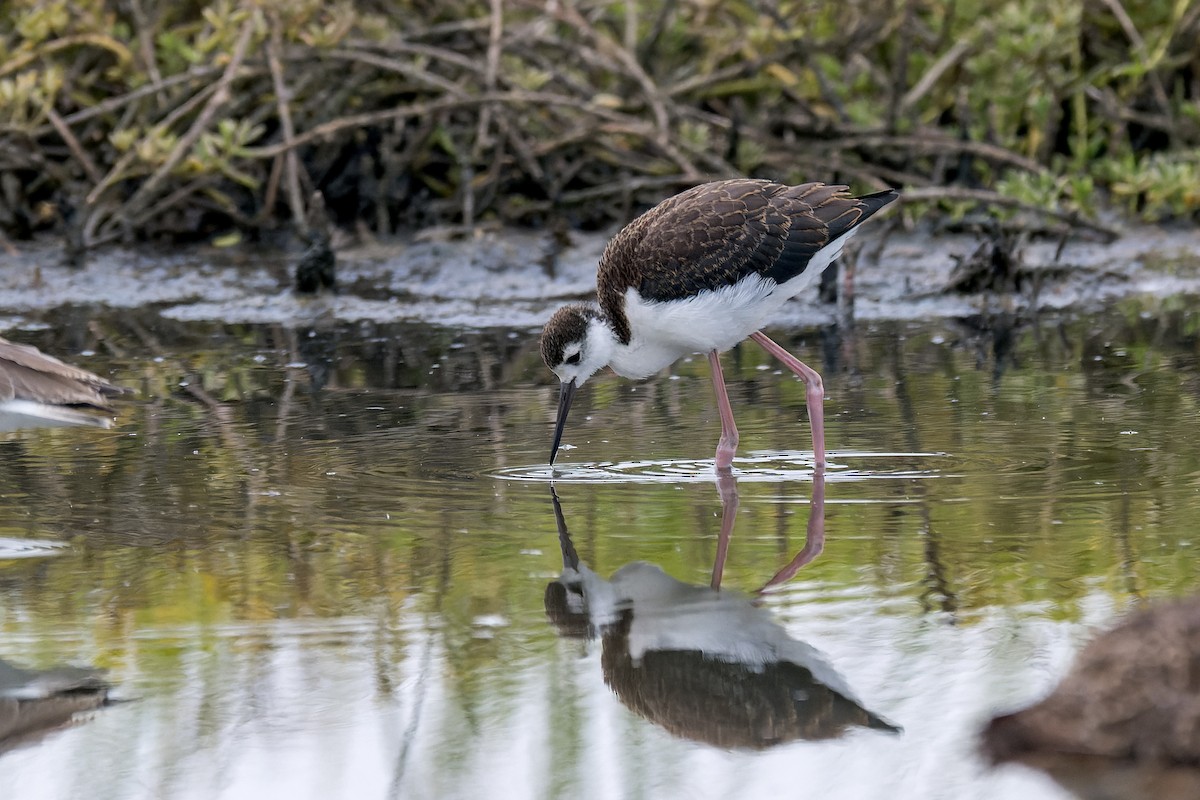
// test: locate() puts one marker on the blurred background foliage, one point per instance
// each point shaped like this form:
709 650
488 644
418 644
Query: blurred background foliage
125 120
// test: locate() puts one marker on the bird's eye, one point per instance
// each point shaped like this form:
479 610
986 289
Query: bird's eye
574 359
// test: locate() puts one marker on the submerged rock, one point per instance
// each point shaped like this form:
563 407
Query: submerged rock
1133 694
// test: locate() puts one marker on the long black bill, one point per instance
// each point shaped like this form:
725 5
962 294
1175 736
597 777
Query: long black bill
564 407
570 555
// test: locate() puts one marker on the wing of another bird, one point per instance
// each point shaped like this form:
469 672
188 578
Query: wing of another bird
27 373
716 234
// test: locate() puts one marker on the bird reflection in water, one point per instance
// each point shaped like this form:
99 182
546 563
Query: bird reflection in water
707 664
34 703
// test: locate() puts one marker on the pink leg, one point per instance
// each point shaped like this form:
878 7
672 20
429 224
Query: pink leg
814 542
727 446
814 392
727 488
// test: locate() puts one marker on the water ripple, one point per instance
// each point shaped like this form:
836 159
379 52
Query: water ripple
759 467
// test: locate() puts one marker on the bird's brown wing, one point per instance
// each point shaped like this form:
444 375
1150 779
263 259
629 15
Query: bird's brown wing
27 373
716 234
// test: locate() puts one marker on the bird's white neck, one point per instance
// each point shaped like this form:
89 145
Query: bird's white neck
642 357
639 358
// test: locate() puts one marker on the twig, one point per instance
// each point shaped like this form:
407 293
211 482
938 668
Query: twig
64 130
402 67
271 194
146 46
653 96
961 194
403 48
899 74
740 69
1139 47
495 32
935 73
118 170
171 200
937 142
1105 98
425 108
282 97
220 97
23 59
617 188
114 103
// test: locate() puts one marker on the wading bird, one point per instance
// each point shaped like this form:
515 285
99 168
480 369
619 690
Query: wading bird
37 390
699 273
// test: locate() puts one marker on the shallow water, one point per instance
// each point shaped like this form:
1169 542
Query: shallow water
320 562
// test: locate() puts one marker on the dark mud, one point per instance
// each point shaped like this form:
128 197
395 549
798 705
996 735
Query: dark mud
500 280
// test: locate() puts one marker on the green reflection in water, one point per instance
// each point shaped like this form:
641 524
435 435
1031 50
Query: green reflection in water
240 525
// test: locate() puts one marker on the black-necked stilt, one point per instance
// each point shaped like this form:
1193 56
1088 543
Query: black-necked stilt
37 390
700 272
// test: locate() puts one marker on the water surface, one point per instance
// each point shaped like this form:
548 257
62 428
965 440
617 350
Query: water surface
316 560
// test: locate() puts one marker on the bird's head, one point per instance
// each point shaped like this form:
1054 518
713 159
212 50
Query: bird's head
576 343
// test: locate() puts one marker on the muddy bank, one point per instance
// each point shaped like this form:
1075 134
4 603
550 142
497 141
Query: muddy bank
500 280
